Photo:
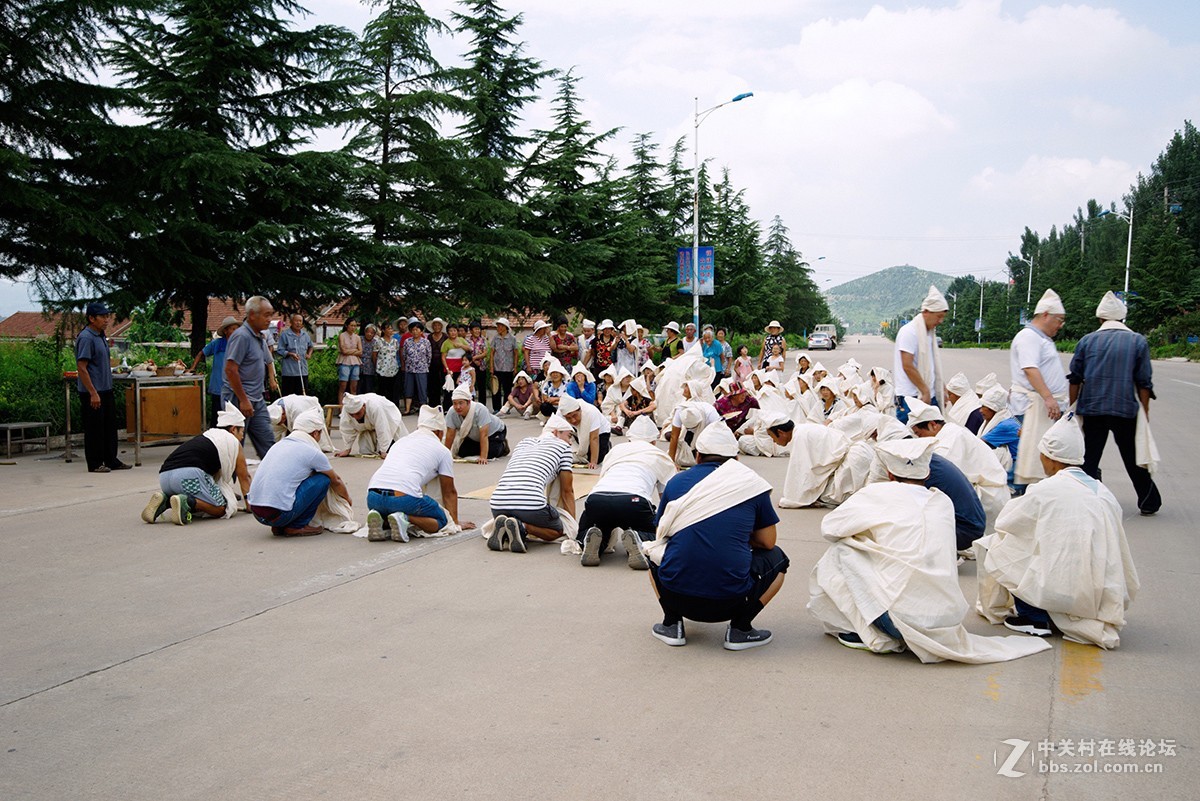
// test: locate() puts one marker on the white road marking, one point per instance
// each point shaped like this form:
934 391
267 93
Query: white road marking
1189 383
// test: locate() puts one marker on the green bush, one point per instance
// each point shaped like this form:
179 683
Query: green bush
31 385
1191 352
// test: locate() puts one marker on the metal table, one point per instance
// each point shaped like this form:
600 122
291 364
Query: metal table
69 386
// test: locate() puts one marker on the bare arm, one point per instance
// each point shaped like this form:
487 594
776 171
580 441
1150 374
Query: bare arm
86 380
450 501
594 449
566 494
234 381
1034 376
674 444
339 486
242 473
914 375
763 538
1143 396
449 438
483 444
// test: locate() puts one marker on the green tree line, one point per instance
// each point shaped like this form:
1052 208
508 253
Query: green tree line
1087 257
192 170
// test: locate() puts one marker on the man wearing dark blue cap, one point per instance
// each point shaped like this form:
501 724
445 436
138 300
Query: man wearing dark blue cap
95 385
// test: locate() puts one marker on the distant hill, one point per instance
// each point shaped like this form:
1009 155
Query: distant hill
866 301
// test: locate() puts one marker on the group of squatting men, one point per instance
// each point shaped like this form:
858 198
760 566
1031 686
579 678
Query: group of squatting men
910 501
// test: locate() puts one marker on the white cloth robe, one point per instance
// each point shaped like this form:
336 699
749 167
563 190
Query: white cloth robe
668 392
893 551
381 426
850 476
817 451
979 464
961 410
293 407
1061 547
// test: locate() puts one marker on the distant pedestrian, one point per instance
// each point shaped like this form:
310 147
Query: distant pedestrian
917 363
386 354
416 357
249 370
295 348
536 347
349 360
216 379
367 377
94 382
502 362
1039 384
1112 385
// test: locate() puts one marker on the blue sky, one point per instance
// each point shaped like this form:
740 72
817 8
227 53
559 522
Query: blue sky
882 133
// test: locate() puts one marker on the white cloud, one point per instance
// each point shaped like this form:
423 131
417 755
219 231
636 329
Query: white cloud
1070 180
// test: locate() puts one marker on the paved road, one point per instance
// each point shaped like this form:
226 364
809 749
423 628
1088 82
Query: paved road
215 662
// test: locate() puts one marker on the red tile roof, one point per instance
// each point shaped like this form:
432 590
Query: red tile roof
38 325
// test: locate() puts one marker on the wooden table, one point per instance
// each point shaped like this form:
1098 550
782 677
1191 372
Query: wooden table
138 384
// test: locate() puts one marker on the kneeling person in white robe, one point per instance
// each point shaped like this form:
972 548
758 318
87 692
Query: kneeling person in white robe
890 580
622 502
771 435
397 490
369 424
286 409
714 557
1058 557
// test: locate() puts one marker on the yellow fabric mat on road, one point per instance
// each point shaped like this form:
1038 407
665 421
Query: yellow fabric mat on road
583 483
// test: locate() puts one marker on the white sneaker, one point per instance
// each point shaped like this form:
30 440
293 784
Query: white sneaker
375 532
633 550
155 507
398 521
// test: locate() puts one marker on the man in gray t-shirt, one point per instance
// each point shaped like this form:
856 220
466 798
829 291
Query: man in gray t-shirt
249 367
502 362
485 436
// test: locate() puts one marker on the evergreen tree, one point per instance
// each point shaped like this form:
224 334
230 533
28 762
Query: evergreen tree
645 242
497 262
56 221
801 304
409 165
227 203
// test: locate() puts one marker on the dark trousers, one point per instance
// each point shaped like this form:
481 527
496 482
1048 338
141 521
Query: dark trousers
292 384
609 510
497 445
505 380
99 430
367 383
388 387
435 379
765 567
1124 430
548 409
415 386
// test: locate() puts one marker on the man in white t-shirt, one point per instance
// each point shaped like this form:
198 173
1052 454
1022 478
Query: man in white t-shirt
917 362
519 503
690 340
397 490
622 502
1039 383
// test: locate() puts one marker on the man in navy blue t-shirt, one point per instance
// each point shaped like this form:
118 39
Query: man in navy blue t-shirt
721 563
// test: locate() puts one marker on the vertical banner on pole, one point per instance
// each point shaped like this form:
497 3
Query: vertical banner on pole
684 270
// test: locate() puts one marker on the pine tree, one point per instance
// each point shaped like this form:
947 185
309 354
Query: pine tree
229 203
409 164
497 262
801 304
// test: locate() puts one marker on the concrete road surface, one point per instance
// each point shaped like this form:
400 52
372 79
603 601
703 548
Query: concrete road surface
216 662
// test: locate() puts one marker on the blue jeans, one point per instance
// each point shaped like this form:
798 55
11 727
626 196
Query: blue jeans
415 388
309 495
1029 612
902 407
422 506
348 372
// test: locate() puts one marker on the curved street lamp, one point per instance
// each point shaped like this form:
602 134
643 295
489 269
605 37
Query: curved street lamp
700 117
1128 245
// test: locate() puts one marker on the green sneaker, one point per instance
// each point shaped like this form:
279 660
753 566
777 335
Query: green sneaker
181 510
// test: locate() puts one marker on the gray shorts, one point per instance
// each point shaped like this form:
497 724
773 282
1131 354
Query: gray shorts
192 482
546 517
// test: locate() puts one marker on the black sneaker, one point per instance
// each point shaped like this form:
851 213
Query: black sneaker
499 537
516 535
120 466
591 547
671 635
633 549
738 640
850 639
1026 626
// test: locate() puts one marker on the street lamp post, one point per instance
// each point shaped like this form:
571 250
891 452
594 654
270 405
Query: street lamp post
1128 245
1029 289
700 117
